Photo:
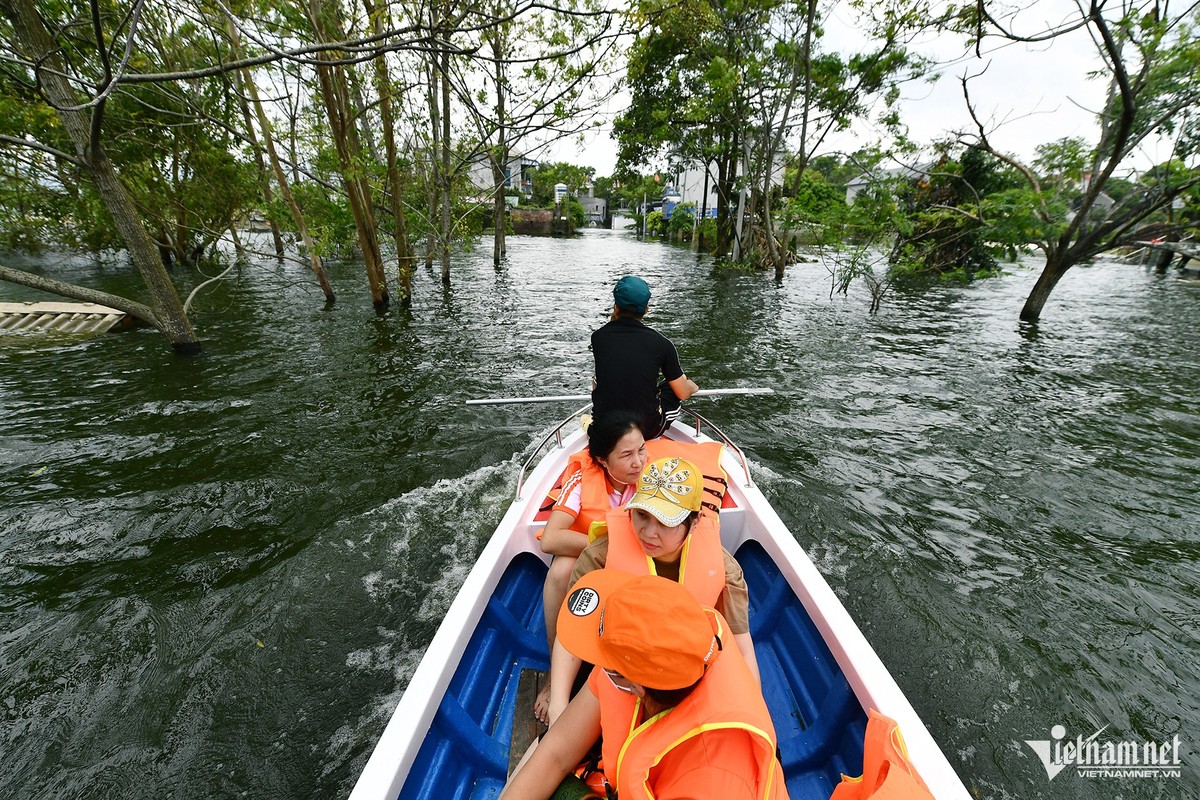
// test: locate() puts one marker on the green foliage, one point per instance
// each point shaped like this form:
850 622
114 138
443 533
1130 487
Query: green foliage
547 175
707 79
683 217
328 216
628 190
574 211
602 187
656 225
960 216
1062 162
834 170
814 200
170 143
1013 219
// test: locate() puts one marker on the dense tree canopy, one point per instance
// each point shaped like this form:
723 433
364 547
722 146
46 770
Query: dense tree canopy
374 127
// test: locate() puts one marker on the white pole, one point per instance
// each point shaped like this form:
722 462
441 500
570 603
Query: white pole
741 212
562 398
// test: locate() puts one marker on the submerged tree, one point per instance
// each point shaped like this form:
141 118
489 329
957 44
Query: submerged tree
1151 55
544 78
74 77
954 226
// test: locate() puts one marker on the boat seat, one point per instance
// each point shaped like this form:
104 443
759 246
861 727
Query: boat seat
732 520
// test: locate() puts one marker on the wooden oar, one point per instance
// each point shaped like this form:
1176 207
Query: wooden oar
575 398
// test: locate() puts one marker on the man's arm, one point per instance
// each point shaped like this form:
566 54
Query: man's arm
683 387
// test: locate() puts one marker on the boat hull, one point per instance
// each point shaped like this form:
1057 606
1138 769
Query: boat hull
449 737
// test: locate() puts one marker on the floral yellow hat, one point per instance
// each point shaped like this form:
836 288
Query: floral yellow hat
670 489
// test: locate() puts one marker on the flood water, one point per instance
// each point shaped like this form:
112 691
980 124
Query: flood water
219 572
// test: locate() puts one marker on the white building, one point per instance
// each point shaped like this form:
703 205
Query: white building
596 208
690 185
518 174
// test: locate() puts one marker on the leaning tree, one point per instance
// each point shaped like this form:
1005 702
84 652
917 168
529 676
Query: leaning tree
1151 54
73 76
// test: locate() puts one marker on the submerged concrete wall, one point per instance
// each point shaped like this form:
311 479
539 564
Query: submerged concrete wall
532 221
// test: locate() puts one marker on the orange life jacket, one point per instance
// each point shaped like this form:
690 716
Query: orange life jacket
701 562
887 772
595 486
727 697
594 490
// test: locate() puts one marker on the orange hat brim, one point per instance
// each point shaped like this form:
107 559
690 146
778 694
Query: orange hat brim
582 614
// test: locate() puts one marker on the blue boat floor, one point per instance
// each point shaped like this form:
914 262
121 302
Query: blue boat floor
819 722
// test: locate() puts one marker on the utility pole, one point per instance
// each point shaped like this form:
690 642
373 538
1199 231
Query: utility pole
741 212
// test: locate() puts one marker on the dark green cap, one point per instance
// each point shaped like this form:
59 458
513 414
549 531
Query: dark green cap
632 294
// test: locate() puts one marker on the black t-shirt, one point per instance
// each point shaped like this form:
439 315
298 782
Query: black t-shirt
629 358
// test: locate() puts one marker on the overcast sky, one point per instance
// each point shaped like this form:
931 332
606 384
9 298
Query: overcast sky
1029 94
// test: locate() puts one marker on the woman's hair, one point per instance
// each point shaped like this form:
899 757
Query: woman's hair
608 429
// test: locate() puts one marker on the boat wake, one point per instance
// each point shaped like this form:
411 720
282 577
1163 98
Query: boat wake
420 547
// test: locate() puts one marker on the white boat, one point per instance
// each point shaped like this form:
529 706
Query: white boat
449 737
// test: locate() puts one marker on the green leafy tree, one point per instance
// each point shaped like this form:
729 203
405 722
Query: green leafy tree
1149 52
734 86
52 65
813 200
953 229
1061 163
548 175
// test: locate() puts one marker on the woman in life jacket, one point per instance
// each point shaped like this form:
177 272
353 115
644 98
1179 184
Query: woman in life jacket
596 480
664 530
678 712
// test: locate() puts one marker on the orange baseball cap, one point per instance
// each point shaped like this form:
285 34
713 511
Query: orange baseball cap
648 628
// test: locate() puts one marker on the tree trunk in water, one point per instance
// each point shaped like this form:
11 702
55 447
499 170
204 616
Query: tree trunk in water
264 174
1051 275
310 247
445 166
500 157
168 314
181 238
336 96
431 173
724 191
285 189
498 222
395 182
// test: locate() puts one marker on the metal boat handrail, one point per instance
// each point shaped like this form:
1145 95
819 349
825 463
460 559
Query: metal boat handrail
725 440
557 435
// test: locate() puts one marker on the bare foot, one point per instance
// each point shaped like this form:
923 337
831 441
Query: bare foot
541 705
